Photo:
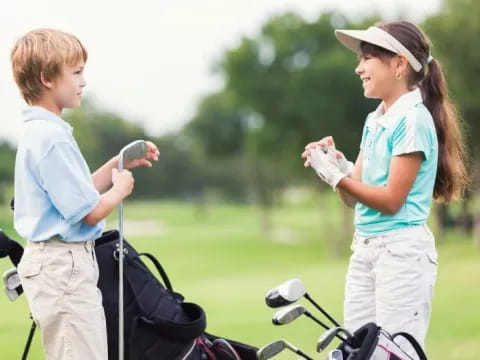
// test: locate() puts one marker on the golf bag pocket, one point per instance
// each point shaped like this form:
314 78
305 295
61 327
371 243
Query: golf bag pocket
370 342
158 323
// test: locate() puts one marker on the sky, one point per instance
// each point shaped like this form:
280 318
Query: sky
152 61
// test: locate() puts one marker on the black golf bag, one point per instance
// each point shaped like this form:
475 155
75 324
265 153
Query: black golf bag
370 342
10 248
158 323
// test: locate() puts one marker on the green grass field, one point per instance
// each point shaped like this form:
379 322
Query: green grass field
222 261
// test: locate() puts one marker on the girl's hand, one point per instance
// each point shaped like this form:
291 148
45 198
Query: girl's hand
152 154
327 141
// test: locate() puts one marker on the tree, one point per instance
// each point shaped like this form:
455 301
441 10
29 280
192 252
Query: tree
454 32
296 84
7 165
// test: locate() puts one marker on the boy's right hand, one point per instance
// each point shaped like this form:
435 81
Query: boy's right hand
123 182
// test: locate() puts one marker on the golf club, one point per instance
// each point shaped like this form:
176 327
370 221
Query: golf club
328 336
276 347
135 150
291 313
12 284
289 292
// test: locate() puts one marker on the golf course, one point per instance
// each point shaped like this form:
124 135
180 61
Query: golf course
220 259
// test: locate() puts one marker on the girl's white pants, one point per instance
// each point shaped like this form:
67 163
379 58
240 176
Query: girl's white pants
390 281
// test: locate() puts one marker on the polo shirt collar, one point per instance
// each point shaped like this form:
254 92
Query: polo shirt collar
40 113
402 105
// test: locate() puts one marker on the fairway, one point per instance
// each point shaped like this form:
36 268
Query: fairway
220 260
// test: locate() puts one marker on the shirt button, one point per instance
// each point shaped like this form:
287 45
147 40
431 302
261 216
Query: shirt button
366 241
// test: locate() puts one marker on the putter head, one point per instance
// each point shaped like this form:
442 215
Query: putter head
271 350
135 150
335 355
285 294
288 314
327 337
12 284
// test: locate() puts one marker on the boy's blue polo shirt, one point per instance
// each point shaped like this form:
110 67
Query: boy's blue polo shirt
406 127
54 189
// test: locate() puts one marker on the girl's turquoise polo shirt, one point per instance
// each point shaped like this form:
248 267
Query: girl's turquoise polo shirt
405 128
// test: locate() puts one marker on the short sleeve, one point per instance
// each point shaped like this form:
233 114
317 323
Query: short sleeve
412 134
66 179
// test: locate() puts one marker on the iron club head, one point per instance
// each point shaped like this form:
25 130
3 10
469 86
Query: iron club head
135 150
327 337
276 347
12 284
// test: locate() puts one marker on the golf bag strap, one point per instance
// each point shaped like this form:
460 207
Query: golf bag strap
163 274
413 342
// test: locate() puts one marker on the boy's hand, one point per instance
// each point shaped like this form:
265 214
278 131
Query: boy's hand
151 154
327 141
123 182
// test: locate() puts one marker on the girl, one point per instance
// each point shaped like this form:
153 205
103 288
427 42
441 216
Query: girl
412 151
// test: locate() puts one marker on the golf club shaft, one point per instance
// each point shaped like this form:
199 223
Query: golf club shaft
302 354
319 308
322 324
121 321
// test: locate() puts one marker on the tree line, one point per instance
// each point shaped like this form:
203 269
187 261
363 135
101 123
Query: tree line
290 84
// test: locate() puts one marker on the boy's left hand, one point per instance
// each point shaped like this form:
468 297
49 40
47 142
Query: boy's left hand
152 154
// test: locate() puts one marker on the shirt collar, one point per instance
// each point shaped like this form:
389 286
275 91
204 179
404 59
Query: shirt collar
40 113
400 106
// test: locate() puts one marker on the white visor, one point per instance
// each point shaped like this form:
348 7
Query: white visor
376 36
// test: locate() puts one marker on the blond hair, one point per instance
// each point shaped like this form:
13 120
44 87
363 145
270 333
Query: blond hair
43 52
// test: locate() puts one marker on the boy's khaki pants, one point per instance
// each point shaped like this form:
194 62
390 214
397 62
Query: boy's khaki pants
390 281
60 283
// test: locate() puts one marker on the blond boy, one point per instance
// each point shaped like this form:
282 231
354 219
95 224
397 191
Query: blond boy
59 205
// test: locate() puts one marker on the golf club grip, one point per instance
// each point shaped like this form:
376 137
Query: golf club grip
319 308
302 354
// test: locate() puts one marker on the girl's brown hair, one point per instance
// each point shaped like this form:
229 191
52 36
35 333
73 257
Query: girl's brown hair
452 175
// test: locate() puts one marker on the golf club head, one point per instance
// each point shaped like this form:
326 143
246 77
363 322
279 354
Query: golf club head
285 294
327 337
335 355
288 314
271 350
12 284
135 150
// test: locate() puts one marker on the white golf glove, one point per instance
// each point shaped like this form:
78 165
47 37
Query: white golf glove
325 163
346 166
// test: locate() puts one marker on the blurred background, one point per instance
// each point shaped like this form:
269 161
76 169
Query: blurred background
231 91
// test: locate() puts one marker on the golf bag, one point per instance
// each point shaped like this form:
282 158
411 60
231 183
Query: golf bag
10 248
158 323
11 280
12 285
370 342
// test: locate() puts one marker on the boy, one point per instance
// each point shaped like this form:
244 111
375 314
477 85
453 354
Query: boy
59 205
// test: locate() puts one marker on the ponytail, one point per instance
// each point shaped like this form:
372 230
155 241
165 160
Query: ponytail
452 175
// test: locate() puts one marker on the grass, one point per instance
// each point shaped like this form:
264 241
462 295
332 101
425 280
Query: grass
222 261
